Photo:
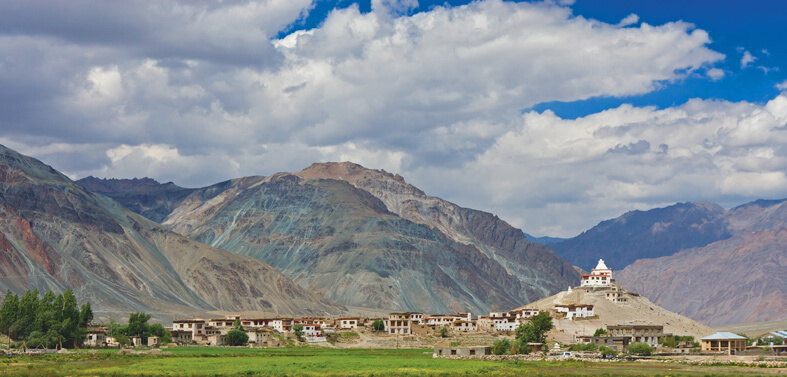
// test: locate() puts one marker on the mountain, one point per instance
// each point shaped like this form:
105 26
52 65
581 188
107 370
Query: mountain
736 280
144 196
366 238
56 235
544 240
646 234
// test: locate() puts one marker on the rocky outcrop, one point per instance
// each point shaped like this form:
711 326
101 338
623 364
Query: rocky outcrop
55 235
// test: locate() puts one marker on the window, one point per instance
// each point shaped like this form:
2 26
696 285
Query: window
453 352
472 352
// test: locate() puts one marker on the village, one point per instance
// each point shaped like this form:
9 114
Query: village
458 335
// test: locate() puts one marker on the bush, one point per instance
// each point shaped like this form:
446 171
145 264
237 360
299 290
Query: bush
298 329
237 337
589 347
600 332
378 325
640 349
608 351
520 347
501 347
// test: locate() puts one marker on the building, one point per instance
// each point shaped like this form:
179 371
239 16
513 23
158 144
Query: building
182 336
464 326
724 342
618 343
96 337
400 323
601 276
616 295
575 311
527 313
195 326
462 351
348 323
441 320
153 341
650 334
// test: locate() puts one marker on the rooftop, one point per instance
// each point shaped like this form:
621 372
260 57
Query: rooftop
723 335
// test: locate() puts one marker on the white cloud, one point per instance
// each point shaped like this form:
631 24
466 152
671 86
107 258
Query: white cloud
436 96
747 59
715 74
782 85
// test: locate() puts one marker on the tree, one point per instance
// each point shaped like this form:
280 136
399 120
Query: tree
600 332
85 315
298 329
640 349
121 339
9 313
378 325
138 325
238 337
535 330
237 324
444 332
501 346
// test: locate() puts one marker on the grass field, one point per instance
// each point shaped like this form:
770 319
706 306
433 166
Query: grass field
305 361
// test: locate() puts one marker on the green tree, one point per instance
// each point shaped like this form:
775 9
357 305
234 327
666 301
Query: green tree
600 332
298 329
28 306
608 351
444 332
640 349
238 337
121 339
9 312
237 324
535 330
138 324
501 347
85 315
378 325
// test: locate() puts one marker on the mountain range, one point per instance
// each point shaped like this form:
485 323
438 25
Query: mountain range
698 259
360 237
56 235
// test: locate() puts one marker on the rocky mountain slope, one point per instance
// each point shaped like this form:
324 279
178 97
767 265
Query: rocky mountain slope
55 235
737 280
366 238
646 234
144 196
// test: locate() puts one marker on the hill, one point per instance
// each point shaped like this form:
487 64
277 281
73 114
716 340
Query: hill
637 310
56 235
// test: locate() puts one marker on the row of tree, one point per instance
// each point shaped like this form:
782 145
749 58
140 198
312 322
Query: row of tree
47 321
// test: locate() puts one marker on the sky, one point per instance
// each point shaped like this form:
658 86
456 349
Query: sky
553 115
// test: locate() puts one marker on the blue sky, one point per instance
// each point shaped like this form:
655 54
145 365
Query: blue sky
553 115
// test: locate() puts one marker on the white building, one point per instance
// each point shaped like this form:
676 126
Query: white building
575 311
527 313
601 276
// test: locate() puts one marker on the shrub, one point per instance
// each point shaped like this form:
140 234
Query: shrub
378 325
501 347
599 332
640 349
608 351
237 337
589 347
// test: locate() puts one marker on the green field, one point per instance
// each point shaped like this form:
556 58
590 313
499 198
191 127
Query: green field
305 361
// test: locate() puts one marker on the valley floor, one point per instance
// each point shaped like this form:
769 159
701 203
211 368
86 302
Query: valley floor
322 361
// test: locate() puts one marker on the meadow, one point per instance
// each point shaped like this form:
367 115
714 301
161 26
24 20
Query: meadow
311 361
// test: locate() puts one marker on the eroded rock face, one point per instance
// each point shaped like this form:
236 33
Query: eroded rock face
353 243
55 235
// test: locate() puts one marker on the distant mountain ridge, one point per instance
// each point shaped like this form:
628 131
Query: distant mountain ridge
646 234
144 196
366 238
55 235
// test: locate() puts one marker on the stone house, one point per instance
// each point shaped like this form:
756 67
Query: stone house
650 334
462 351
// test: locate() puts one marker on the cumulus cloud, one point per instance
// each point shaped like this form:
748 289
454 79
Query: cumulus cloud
747 59
782 85
198 92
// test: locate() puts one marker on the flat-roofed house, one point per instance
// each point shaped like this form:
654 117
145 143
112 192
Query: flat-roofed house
96 337
195 326
464 326
575 311
347 323
400 323
723 341
650 334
